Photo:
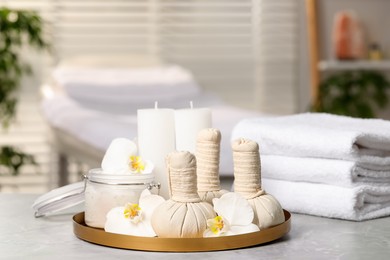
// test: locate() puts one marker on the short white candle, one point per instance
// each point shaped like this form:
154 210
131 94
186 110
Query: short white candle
188 123
156 138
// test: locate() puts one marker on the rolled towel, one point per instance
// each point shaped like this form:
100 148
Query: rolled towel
320 135
126 84
359 203
328 171
136 77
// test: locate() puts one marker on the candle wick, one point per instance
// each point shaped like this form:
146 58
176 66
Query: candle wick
155 104
191 104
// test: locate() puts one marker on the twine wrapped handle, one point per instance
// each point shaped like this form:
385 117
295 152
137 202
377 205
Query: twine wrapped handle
182 177
207 156
247 169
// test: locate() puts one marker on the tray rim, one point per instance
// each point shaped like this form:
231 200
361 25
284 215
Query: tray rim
157 244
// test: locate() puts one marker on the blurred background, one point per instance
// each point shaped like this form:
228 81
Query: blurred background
274 57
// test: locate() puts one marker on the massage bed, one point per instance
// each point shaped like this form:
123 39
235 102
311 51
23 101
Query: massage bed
87 102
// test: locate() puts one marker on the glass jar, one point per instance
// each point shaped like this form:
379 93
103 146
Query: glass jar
105 191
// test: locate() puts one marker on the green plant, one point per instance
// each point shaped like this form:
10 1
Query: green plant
17 28
13 159
353 93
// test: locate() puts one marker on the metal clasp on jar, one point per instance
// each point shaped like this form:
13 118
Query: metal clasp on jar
156 185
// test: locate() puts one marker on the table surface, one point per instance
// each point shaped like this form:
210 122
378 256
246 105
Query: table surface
22 235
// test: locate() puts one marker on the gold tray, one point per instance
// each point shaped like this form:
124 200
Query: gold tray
99 236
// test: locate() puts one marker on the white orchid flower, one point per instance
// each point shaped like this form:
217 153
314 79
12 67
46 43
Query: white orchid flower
235 217
134 219
121 158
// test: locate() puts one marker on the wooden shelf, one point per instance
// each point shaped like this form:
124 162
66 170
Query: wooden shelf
334 65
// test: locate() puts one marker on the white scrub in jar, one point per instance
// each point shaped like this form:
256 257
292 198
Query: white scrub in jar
122 178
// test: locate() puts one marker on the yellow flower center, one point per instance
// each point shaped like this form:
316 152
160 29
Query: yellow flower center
216 224
137 164
132 211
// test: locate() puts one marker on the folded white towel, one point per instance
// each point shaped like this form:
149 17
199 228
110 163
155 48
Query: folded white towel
359 203
320 135
317 170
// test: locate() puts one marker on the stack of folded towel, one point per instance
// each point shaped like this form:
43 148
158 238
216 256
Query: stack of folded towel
325 165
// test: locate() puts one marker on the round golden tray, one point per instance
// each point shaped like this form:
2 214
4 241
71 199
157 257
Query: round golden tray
99 236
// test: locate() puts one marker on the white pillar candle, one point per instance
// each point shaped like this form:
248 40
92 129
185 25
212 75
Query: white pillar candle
156 138
188 123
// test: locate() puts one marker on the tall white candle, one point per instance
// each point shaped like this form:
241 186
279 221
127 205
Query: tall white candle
188 123
156 138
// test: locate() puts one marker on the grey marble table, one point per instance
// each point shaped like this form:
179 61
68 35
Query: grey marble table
24 237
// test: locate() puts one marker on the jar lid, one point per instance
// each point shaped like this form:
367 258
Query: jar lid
73 194
59 199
